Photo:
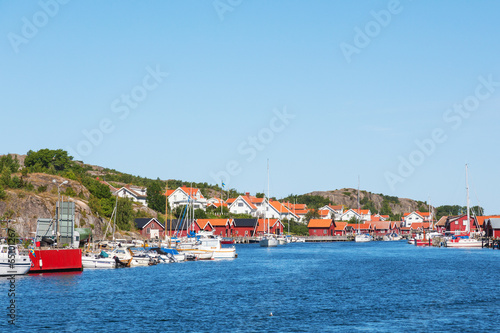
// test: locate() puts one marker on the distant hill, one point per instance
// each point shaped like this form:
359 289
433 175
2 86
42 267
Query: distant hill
372 201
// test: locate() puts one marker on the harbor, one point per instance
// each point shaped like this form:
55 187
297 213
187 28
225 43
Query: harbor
332 286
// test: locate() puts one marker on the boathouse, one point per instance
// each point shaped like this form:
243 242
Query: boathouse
203 225
458 224
341 229
321 227
177 227
492 227
150 228
244 227
274 226
381 228
221 227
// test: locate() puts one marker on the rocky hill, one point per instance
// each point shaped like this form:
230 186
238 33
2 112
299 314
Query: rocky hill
348 198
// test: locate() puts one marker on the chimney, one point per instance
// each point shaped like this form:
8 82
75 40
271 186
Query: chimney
247 194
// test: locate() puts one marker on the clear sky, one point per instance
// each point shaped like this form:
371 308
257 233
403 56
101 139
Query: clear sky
400 93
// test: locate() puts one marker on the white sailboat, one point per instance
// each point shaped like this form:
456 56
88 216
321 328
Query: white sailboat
464 239
268 240
361 238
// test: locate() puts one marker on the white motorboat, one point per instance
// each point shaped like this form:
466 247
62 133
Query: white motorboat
282 240
98 261
11 262
207 246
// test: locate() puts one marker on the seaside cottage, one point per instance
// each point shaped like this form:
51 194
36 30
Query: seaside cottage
381 228
244 227
341 229
221 227
275 226
150 228
321 227
492 227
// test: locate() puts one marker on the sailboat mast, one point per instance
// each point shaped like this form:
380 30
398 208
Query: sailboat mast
268 196
467 226
359 212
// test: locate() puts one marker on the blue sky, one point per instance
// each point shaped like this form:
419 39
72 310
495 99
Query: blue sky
400 93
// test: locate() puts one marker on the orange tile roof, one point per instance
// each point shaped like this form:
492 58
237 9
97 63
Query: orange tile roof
337 207
442 221
301 211
219 222
375 218
361 225
481 219
361 211
202 223
230 200
340 225
420 225
381 225
320 223
324 212
278 206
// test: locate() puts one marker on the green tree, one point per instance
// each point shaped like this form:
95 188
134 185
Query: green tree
5 179
311 214
45 159
259 195
3 194
124 214
156 199
9 162
200 214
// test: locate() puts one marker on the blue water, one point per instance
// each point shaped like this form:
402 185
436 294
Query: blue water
340 287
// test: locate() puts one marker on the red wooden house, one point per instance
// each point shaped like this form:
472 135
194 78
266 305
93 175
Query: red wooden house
492 227
396 227
221 227
203 224
458 224
275 226
381 228
341 229
177 227
364 228
150 228
321 227
244 227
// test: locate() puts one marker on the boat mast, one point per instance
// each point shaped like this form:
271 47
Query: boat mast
359 212
268 196
467 226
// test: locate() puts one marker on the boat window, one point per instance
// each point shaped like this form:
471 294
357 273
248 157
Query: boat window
4 249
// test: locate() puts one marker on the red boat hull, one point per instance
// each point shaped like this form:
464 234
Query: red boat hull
56 260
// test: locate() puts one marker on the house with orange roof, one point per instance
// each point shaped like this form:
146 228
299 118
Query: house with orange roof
381 228
183 195
273 226
244 227
458 224
245 204
378 217
301 214
326 214
358 214
276 210
418 227
363 228
341 229
336 211
181 227
416 216
396 227
321 227
135 193
221 227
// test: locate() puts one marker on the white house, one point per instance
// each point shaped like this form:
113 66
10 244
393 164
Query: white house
276 210
361 214
244 205
416 217
135 193
181 196
335 212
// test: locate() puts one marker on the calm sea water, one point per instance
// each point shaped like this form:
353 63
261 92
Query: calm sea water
341 287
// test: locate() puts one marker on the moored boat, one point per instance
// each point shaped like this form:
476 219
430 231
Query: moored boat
12 262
